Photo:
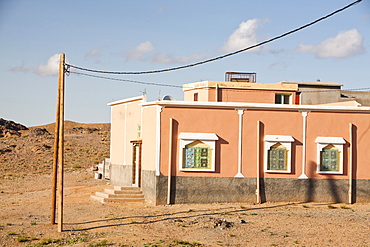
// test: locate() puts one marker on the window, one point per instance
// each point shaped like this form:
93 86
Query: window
282 99
329 158
278 153
195 96
330 155
197 151
197 155
277 157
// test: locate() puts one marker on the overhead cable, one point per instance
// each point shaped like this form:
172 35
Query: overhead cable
125 80
186 87
222 56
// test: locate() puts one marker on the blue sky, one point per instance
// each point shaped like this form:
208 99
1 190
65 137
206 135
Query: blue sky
149 35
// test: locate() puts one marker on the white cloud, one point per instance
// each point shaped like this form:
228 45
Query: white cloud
167 59
139 51
345 44
50 68
244 36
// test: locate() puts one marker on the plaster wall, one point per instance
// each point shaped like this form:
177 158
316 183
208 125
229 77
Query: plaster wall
149 135
250 96
287 123
149 187
224 123
330 124
125 126
360 96
117 143
121 175
203 94
315 96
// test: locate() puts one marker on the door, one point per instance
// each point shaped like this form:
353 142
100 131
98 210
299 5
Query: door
136 163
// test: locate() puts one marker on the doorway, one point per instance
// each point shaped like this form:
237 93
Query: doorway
136 163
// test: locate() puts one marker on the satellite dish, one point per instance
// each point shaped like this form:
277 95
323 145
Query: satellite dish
168 97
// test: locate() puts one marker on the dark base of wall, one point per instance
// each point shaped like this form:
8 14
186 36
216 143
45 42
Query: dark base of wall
121 175
148 186
234 190
209 190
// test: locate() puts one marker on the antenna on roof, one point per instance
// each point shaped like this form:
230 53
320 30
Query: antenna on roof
159 95
144 94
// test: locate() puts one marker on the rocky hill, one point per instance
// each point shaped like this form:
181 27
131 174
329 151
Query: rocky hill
10 128
25 151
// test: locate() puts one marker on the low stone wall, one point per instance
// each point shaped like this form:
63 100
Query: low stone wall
213 189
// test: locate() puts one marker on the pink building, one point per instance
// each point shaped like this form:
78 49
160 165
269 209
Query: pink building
242 141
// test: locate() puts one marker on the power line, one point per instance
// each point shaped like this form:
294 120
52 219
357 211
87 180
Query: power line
124 80
222 56
184 87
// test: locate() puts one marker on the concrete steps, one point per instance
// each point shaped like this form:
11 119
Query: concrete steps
119 195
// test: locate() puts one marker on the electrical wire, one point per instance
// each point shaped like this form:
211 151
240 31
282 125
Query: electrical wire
125 80
222 56
185 87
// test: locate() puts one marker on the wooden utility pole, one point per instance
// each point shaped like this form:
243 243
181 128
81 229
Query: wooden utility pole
58 163
56 149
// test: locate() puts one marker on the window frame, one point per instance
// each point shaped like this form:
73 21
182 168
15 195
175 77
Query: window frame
338 143
281 97
286 141
206 138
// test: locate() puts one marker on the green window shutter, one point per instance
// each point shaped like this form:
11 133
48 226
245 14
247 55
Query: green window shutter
277 159
329 160
197 157
189 154
204 157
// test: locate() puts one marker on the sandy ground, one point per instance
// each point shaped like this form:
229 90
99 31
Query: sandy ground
25 220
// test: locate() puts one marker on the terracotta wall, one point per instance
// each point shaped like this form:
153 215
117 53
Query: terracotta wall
222 122
225 122
236 95
337 124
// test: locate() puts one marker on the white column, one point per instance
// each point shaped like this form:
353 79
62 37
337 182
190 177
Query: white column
125 137
239 174
158 141
303 175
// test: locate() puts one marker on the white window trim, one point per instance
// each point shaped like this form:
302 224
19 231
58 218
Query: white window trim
271 140
290 98
337 142
207 138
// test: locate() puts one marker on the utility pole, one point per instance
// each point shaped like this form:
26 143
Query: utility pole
56 150
58 163
61 145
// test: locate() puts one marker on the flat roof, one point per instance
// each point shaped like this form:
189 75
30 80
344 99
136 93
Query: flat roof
259 106
118 102
241 85
313 83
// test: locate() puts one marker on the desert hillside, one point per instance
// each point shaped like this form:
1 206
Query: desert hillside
29 150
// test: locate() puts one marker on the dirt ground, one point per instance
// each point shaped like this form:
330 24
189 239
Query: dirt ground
25 220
